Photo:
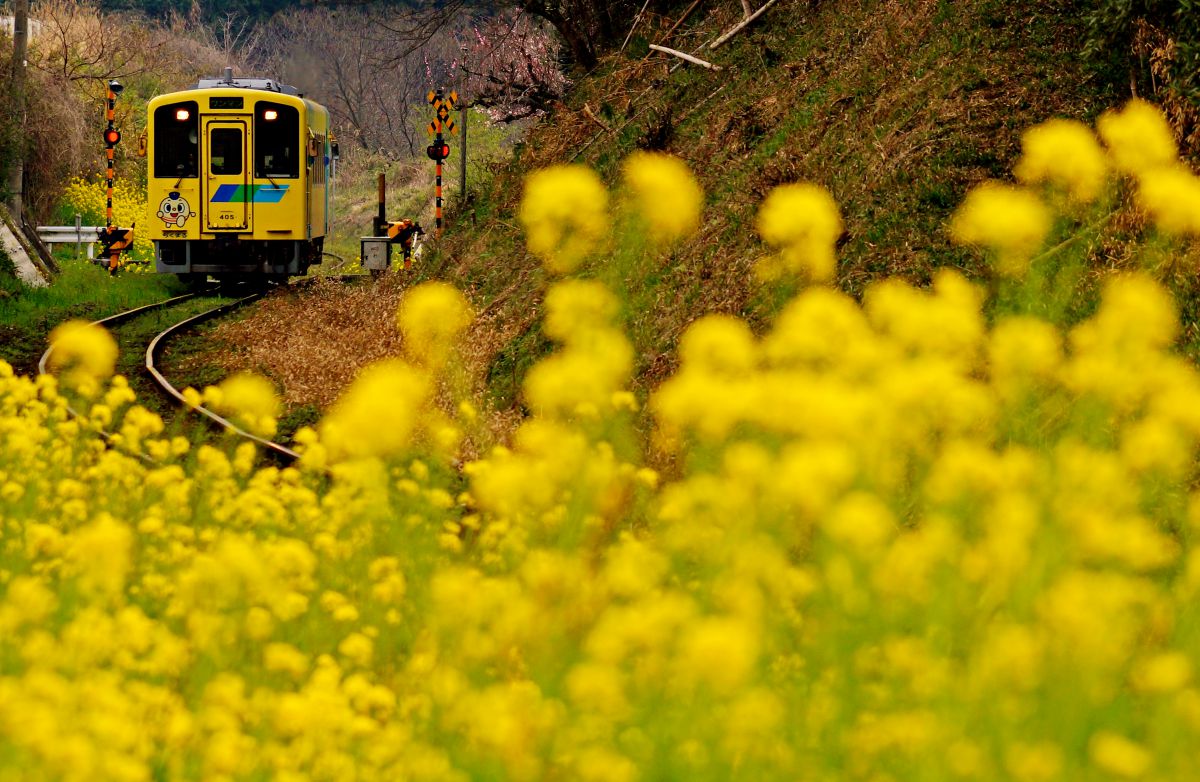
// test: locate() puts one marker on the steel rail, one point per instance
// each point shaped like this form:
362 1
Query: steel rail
156 345
121 317
152 354
112 320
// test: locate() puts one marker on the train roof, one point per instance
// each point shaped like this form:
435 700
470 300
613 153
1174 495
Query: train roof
227 81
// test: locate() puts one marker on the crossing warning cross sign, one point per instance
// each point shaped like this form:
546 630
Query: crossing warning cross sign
442 106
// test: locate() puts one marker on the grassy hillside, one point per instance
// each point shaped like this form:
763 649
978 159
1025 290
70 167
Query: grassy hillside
896 107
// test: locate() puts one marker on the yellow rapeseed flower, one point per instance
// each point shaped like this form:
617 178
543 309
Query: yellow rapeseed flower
719 344
1171 194
802 220
1023 351
102 555
720 652
1119 756
1065 153
358 649
251 401
1008 220
565 215
664 193
81 346
578 307
1164 672
431 316
1138 137
378 414
582 379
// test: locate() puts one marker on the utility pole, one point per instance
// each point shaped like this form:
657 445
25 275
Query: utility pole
17 101
462 158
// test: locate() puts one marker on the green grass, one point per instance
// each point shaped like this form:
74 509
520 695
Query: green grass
82 291
133 337
10 285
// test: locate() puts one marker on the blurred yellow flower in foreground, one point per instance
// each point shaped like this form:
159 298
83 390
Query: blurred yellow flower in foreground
378 413
664 193
1138 137
250 400
565 215
83 347
431 316
802 220
578 307
1171 194
1008 220
1065 153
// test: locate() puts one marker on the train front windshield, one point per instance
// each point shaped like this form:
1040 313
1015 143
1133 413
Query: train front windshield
176 140
276 141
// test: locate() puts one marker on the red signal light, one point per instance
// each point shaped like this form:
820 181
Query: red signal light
111 137
438 151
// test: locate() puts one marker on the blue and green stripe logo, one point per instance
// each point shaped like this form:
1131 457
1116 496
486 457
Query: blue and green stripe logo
256 194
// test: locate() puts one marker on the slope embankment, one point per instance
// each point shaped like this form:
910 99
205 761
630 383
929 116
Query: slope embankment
898 108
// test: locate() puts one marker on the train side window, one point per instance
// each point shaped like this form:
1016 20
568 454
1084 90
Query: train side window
277 149
176 140
226 151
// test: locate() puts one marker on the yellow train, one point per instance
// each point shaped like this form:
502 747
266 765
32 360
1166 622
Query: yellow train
239 179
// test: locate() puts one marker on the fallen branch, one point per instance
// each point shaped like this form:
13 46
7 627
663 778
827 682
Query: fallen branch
678 22
637 19
587 110
688 57
737 28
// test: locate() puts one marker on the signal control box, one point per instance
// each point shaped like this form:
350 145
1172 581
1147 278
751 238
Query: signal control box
376 253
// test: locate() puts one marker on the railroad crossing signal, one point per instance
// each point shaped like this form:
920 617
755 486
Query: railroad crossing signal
442 106
114 240
439 150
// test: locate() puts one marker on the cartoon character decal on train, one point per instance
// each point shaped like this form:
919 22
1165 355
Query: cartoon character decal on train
174 210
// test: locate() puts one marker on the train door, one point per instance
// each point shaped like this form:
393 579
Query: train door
227 190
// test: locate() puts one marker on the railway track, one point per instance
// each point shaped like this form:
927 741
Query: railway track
154 349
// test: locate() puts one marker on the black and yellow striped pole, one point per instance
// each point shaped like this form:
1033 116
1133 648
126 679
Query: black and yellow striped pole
439 150
112 137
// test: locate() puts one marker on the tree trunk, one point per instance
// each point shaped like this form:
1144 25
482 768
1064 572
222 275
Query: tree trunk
17 105
582 51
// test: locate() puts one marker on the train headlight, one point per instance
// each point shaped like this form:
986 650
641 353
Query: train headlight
182 115
270 114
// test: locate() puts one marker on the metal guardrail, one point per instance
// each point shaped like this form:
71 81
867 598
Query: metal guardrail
68 234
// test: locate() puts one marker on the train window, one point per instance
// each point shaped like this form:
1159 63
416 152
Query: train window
277 147
176 144
225 150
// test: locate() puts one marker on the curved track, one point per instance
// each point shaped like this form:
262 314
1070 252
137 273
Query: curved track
121 317
112 320
154 351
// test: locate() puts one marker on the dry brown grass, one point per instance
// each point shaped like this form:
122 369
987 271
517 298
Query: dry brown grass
312 341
